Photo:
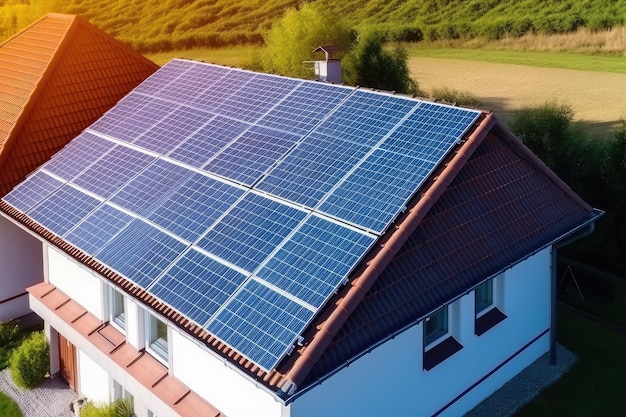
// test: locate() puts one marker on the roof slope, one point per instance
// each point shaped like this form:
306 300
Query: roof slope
238 205
56 77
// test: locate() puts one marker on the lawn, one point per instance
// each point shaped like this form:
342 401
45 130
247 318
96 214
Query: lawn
595 384
8 408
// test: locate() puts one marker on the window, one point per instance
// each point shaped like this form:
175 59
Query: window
117 309
157 337
484 297
436 326
439 344
486 305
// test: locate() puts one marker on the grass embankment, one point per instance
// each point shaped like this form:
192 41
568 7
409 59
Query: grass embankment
8 408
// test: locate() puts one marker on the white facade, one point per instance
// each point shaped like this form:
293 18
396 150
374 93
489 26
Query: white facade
22 266
390 380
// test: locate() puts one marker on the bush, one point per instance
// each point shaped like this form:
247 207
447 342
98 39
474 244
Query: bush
9 331
119 408
460 98
30 362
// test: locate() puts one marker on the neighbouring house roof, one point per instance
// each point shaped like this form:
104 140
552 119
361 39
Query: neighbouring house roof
288 224
57 77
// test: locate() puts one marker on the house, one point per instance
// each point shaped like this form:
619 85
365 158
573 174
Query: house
57 77
224 242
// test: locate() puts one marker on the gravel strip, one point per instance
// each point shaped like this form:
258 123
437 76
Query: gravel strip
50 399
520 390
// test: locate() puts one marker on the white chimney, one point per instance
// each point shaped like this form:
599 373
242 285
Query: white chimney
330 69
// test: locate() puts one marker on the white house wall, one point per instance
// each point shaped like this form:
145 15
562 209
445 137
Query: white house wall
76 281
92 379
391 380
230 392
21 266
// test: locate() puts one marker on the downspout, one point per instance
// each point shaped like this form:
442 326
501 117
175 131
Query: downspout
581 232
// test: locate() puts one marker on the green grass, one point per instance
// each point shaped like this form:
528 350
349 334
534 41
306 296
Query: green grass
583 62
8 408
595 384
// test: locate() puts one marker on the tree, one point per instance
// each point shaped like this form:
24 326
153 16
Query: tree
292 39
369 65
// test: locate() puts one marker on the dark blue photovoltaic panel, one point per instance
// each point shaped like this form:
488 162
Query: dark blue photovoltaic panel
32 191
113 170
380 187
305 107
194 206
208 141
365 117
63 209
149 188
256 97
211 99
197 286
98 228
165 76
312 169
141 252
80 153
252 154
173 130
315 260
197 78
251 231
133 116
261 324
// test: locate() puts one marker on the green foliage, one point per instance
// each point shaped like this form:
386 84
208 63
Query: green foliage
369 65
8 408
119 408
294 37
30 362
9 331
160 25
460 98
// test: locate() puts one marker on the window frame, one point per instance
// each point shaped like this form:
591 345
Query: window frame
442 330
157 345
487 317
118 320
440 344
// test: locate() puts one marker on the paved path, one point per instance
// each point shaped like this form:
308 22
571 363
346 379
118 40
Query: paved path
51 399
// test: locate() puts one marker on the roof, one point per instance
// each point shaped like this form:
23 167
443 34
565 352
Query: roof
259 212
57 76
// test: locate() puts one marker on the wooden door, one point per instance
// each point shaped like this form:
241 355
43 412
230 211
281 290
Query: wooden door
67 361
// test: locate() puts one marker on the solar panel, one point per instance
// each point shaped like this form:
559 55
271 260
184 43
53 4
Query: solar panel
98 228
191 208
79 154
173 130
305 107
260 323
133 116
151 186
256 97
165 76
112 170
252 154
316 260
197 286
208 141
197 78
141 252
312 169
211 99
62 209
32 191
251 231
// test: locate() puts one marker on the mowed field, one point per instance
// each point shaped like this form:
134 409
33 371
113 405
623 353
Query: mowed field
597 98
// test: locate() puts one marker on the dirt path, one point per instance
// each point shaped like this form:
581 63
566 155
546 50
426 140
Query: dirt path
597 98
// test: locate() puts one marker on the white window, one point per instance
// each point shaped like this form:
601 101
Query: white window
436 326
117 308
484 297
488 305
157 337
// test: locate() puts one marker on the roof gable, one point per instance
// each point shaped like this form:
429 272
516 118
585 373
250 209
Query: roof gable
57 76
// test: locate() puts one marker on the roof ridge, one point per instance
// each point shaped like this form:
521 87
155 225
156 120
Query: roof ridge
41 82
305 359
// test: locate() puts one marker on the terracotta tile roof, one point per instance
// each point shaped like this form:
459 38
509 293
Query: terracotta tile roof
56 78
138 364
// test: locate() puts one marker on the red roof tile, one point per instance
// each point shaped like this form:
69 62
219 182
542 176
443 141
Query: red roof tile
56 78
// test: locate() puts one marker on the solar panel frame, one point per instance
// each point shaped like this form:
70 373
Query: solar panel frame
197 78
77 155
32 191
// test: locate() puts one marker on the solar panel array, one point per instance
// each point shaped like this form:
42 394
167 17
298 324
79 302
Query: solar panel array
241 200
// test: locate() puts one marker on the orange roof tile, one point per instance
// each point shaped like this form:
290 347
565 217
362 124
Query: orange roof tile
56 78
